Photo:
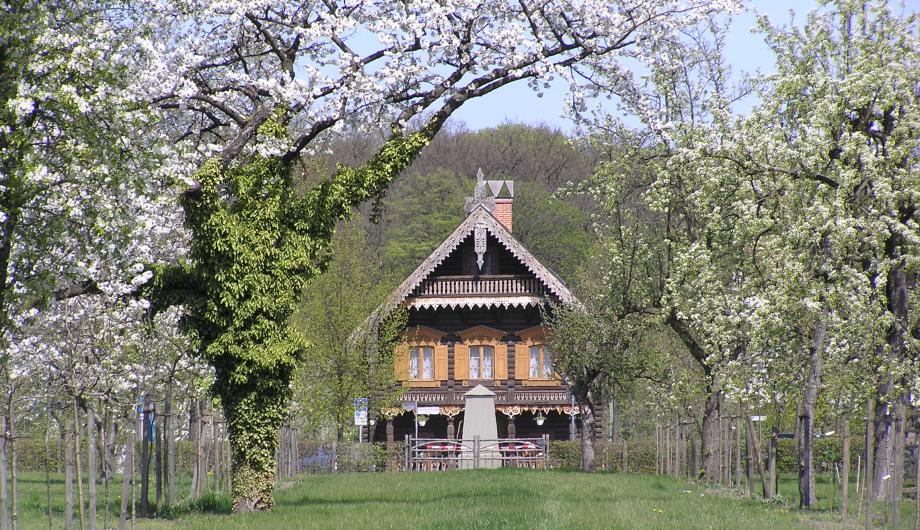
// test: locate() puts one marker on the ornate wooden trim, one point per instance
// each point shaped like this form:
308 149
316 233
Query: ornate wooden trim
490 334
534 334
422 383
480 216
423 335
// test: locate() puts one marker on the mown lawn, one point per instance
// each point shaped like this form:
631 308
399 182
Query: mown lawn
503 498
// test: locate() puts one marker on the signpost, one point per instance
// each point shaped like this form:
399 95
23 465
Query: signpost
360 414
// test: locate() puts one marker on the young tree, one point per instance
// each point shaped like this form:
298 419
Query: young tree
338 365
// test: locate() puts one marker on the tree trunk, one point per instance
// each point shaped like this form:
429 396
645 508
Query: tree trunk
196 470
806 454
78 454
897 478
158 459
587 435
771 456
14 472
748 465
4 480
145 459
693 451
709 435
845 472
127 492
626 457
47 465
881 458
193 419
253 418
215 447
868 481
737 424
91 461
68 476
170 447
757 456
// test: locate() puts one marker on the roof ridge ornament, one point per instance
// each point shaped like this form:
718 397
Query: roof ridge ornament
479 243
479 196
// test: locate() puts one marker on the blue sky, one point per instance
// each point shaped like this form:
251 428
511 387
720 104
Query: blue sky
745 51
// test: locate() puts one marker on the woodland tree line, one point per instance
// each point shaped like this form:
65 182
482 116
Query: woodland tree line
183 216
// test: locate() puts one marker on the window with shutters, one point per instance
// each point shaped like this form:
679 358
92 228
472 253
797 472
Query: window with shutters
482 362
421 363
541 363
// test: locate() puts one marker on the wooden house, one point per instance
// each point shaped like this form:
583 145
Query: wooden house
474 318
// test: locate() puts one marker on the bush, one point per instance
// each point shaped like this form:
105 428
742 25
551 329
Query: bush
827 451
608 456
209 502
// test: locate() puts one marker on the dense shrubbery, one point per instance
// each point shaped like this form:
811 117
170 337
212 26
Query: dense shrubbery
567 455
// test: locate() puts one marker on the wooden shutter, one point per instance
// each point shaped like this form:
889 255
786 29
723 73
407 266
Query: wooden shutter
461 361
401 362
521 361
501 361
440 362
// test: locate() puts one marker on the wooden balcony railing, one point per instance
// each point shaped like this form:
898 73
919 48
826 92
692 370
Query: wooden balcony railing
480 286
502 397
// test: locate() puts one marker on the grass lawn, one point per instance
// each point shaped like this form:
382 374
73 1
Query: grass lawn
502 498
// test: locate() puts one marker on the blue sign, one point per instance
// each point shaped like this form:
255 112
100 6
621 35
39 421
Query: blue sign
361 411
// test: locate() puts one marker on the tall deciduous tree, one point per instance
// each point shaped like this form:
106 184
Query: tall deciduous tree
834 145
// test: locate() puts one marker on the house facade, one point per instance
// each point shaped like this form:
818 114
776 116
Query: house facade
474 318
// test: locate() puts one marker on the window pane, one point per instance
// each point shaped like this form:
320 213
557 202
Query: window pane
534 362
474 362
488 356
428 363
413 363
547 365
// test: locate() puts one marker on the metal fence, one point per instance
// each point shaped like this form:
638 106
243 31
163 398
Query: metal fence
435 454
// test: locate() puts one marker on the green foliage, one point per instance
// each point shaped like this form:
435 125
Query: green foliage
350 353
566 455
417 219
555 230
210 502
255 246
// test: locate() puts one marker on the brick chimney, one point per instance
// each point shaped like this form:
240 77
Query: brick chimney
500 202
503 211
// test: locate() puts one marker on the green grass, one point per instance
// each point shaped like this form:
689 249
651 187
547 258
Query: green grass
503 498
33 500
